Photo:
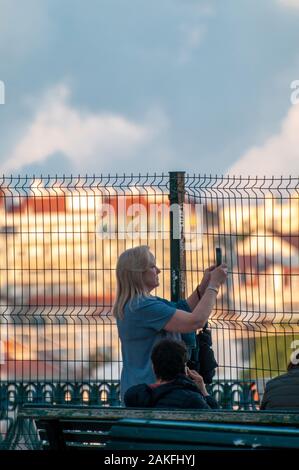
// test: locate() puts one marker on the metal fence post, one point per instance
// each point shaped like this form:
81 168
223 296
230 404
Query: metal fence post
177 239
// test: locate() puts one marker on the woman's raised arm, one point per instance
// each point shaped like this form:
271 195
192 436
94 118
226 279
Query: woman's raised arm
184 322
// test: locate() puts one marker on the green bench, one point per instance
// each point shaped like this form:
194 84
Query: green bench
96 428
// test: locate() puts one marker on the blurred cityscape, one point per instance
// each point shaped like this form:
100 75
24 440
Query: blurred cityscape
58 251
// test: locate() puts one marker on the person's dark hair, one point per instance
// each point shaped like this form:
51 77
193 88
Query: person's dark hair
169 358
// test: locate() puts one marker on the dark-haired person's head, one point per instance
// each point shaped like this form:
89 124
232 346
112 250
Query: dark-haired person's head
169 359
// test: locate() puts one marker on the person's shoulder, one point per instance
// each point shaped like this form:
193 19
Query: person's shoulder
138 395
191 399
149 312
136 388
145 301
277 380
138 302
150 301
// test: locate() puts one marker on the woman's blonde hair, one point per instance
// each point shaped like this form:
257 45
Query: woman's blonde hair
129 284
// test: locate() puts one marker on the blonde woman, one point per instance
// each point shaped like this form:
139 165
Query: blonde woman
143 319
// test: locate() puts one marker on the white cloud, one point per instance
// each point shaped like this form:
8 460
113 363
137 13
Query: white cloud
289 3
278 156
89 140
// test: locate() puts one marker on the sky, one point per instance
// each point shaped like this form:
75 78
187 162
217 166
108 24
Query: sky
138 86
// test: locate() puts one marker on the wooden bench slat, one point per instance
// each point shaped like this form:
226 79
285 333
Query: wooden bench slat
131 445
224 427
85 437
90 428
283 418
82 425
103 425
204 435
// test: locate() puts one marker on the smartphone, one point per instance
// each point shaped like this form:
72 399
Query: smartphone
218 256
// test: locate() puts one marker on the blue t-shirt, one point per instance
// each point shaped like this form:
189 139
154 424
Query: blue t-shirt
139 330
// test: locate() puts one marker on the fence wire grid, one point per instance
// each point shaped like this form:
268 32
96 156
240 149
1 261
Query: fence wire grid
60 239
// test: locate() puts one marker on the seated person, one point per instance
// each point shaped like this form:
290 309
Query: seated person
282 392
176 385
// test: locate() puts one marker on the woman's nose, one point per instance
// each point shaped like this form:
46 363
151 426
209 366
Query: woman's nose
158 270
